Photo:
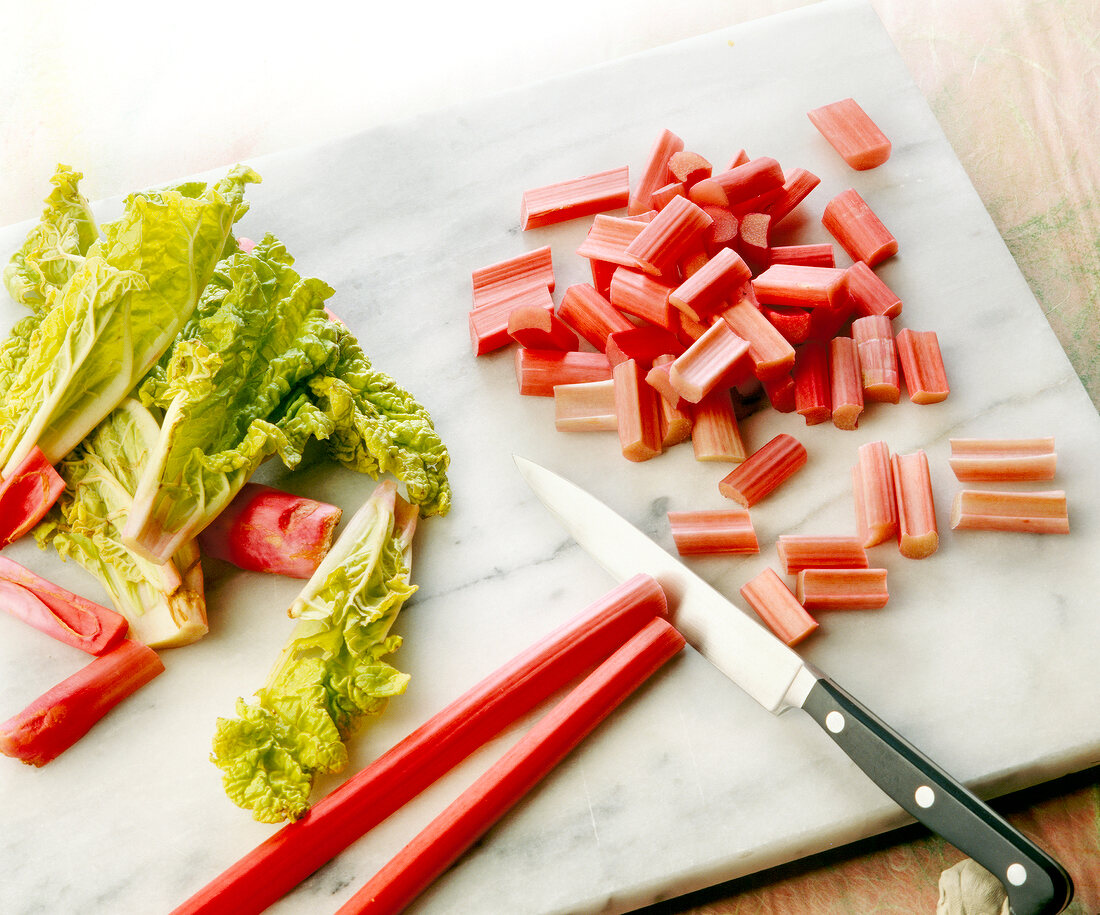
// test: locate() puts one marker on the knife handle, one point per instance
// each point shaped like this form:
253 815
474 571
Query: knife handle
1036 884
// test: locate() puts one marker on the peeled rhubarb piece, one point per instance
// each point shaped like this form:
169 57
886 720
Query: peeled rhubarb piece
637 415
918 535
869 294
673 232
709 362
878 358
857 229
62 715
922 365
705 532
852 133
535 327
26 494
655 172
591 315
1003 460
842 589
267 530
715 433
845 383
584 196
1012 510
585 407
537 370
874 494
820 551
778 607
812 400
489 323
764 471
531 268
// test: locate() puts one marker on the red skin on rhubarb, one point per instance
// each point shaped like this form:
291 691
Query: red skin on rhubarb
858 230
489 322
267 530
801 285
531 268
778 607
715 434
812 398
797 186
852 133
816 255
655 172
638 417
585 196
708 532
922 366
642 344
672 233
62 715
539 370
705 293
537 328
591 315
26 495
792 322
869 294
642 296
298 849
67 617
764 470
755 177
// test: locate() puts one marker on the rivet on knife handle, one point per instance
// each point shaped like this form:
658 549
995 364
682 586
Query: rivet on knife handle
1036 884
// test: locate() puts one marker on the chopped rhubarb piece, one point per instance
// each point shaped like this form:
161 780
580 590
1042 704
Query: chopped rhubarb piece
585 407
918 535
290 855
797 284
816 255
780 392
771 354
820 551
793 323
708 362
827 321
663 195
643 296
849 130
532 268
602 271
869 294
715 434
676 422
708 193
764 470
753 237
489 322
267 530
591 315
655 173
739 158
62 715
1003 460
852 222
842 589
922 366
26 495
845 383
536 753
658 377
688 167
608 238
706 292
796 187
874 494
538 371
534 327
638 417
51 609
713 531
755 177
1024 512
878 358
723 231
564 200
812 400
642 344
778 607
673 232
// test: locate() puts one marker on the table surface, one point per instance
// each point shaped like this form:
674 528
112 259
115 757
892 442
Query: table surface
1013 83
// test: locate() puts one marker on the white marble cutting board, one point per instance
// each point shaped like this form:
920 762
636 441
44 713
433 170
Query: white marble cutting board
986 656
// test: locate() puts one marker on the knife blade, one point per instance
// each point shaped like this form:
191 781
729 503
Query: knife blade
779 679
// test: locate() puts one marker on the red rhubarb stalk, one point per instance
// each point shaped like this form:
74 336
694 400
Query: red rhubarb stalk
852 222
62 715
531 268
778 607
918 535
922 366
538 370
67 617
637 416
1001 460
852 133
845 383
820 551
585 196
537 328
706 532
471 815
655 172
591 315
764 470
812 400
267 530
289 856
26 494
842 589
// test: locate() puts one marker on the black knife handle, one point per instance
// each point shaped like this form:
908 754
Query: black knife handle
1036 884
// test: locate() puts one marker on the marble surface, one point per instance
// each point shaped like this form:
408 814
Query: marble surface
985 656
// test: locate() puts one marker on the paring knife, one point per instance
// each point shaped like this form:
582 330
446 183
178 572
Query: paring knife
776 677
